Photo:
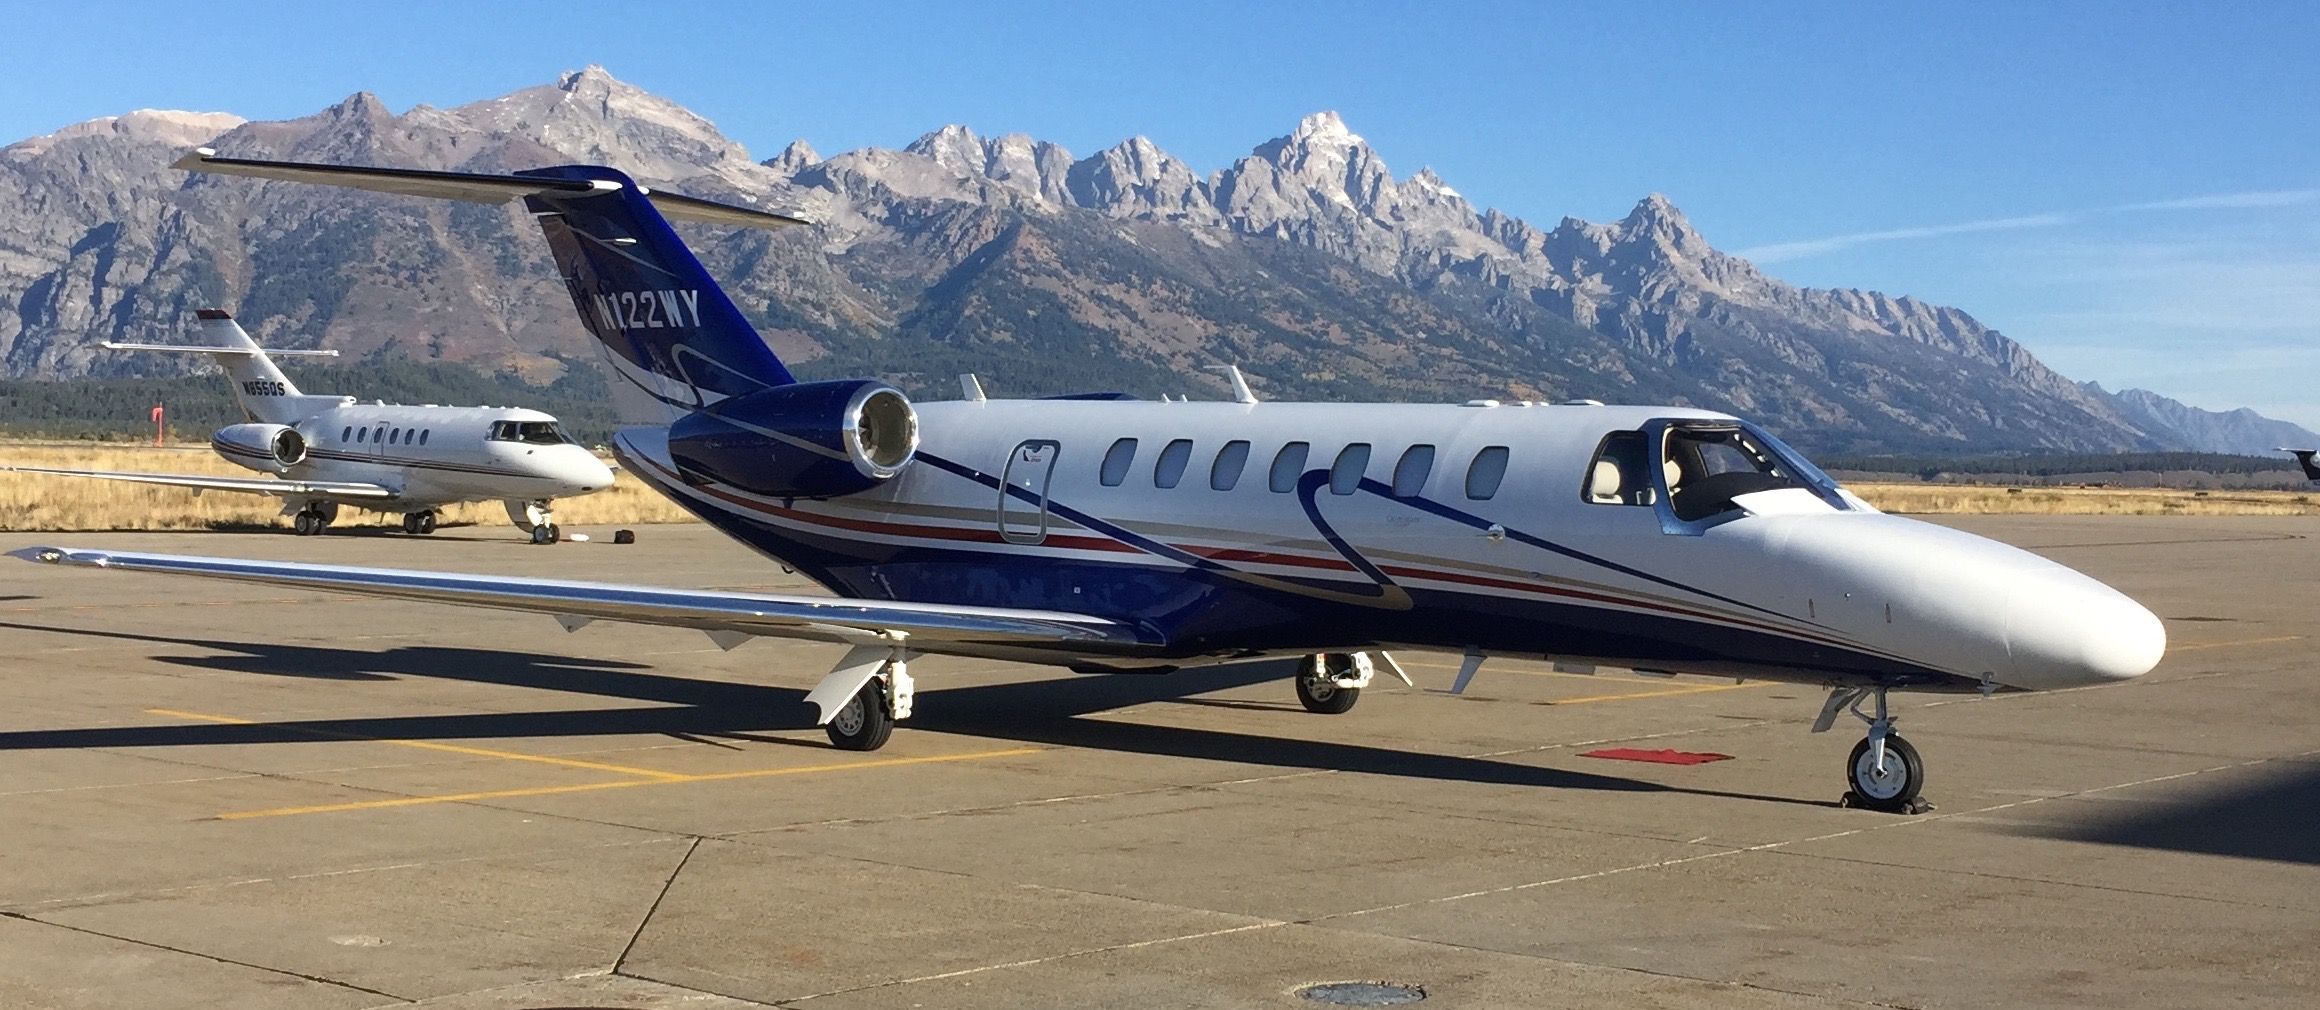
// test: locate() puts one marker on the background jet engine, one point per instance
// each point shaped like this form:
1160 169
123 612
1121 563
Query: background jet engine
806 440
272 448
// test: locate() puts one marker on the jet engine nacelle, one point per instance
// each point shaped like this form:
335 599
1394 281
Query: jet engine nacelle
273 448
806 440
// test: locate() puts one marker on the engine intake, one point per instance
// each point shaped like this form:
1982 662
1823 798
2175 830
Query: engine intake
806 440
272 448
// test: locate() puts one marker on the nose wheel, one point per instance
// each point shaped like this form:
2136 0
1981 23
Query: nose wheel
1884 770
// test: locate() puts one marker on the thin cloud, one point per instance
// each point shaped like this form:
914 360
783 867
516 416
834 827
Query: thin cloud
1779 251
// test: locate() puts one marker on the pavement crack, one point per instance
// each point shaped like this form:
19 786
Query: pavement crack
21 917
666 885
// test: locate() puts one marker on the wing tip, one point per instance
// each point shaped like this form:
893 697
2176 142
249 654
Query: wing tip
39 555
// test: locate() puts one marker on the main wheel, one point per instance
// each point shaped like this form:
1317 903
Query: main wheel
426 522
411 523
864 723
1317 690
303 524
1894 789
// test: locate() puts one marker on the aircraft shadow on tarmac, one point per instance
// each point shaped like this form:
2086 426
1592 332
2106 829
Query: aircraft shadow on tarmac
1042 712
2267 816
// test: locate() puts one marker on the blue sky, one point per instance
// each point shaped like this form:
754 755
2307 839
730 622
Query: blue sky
2131 190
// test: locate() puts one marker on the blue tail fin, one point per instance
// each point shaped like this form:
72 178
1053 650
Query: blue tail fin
665 325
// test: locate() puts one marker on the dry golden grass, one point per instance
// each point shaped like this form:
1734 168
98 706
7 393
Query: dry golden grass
40 502
49 503
1975 499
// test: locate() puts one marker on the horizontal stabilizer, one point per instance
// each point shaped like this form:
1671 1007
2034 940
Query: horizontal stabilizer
475 187
198 349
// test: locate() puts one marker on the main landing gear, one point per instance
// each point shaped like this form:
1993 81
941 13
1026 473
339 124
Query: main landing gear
419 523
862 699
537 517
1884 770
313 518
1329 683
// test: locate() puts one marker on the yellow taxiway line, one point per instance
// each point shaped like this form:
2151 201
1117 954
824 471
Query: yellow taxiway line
1664 693
665 779
507 755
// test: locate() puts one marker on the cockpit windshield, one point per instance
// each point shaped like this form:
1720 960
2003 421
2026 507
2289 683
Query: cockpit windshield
1707 465
533 432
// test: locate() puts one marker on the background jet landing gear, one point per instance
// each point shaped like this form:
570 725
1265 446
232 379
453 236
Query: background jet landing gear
534 517
419 523
313 518
1330 682
1884 770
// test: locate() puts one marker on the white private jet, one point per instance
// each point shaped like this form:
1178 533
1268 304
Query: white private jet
1108 535
328 451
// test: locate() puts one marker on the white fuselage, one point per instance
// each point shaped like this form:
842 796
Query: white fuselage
430 456
1798 583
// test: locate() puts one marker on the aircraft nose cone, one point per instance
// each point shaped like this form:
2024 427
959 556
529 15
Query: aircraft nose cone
591 475
2066 630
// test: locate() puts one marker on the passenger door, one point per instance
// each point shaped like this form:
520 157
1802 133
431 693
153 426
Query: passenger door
1023 491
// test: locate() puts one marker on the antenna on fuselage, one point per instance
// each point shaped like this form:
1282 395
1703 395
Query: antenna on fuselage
1240 384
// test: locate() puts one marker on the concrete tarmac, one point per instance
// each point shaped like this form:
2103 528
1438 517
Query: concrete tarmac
217 795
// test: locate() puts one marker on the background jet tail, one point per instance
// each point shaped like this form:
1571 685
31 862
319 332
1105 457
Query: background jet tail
2304 459
264 393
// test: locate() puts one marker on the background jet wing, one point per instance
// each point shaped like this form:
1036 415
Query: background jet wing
925 626
251 485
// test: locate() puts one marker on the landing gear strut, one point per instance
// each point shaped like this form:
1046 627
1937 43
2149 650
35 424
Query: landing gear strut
419 523
1330 682
1884 770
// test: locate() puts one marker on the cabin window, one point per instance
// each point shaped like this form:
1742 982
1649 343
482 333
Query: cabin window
1230 460
1345 474
363 435
394 436
423 435
346 434
1417 464
1621 473
1484 474
1169 470
1288 466
1116 462
379 434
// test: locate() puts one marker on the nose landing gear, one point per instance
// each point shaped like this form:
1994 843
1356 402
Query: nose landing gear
536 517
1884 770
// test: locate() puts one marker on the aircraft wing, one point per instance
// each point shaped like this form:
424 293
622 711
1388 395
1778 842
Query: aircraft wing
725 615
205 482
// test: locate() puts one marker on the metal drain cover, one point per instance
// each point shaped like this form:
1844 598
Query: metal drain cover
1362 993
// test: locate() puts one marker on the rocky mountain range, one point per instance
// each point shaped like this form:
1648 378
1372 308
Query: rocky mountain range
1306 262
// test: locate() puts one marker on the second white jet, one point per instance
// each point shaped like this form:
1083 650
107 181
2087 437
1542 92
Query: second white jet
323 452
